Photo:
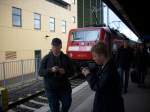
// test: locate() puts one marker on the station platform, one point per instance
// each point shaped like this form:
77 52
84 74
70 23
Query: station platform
136 100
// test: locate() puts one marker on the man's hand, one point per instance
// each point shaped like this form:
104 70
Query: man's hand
85 71
61 71
54 69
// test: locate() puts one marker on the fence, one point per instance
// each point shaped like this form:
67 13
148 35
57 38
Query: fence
20 72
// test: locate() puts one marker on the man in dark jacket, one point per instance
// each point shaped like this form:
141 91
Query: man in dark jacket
141 64
56 67
124 59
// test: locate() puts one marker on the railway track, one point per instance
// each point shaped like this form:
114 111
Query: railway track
33 102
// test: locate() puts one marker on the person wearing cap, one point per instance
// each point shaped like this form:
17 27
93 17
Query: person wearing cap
56 67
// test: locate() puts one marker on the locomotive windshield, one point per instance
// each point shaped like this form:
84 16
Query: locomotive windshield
87 35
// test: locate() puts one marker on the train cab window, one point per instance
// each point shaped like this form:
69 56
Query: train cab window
85 35
78 36
91 35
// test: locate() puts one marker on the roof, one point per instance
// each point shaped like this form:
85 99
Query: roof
60 3
134 13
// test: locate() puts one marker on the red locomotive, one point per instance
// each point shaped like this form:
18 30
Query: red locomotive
81 40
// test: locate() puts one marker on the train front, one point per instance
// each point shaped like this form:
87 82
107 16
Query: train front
80 42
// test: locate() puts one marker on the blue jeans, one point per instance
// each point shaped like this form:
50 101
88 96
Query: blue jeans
55 98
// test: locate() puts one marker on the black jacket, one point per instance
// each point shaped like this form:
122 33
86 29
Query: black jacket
55 81
141 60
108 90
124 57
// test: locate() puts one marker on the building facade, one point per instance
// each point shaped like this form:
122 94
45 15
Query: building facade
28 26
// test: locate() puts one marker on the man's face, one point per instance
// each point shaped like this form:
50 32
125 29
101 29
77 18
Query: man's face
56 49
98 58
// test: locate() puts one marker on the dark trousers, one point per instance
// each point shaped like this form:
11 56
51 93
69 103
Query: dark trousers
141 76
124 76
57 98
1 109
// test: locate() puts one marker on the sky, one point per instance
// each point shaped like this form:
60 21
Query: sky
115 22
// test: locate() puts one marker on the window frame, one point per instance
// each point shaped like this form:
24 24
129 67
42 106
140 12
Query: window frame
35 19
63 26
17 15
74 19
52 23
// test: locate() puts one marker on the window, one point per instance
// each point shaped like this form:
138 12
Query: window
63 26
37 21
73 19
52 24
85 35
16 17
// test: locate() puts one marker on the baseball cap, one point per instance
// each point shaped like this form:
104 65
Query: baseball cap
56 42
